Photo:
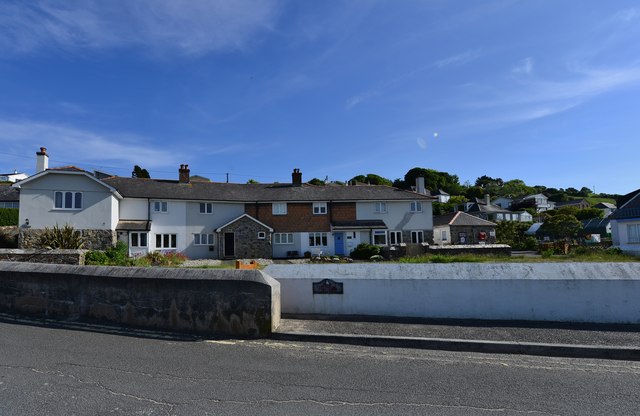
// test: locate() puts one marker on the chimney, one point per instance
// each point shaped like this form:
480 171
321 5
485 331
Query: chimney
42 160
296 177
420 185
183 174
487 199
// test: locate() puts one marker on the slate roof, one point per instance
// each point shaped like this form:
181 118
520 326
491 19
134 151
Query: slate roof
362 224
461 218
482 207
595 226
133 225
630 209
602 205
9 194
234 192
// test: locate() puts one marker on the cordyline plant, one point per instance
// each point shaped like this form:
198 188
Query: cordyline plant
61 238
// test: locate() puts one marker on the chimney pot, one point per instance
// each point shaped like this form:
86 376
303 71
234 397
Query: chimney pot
42 160
296 177
184 174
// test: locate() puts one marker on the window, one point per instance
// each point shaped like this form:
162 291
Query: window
317 239
395 238
633 233
9 204
380 237
319 207
443 235
137 239
166 240
262 235
416 206
203 239
381 207
283 238
206 208
160 206
67 200
416 237
279 208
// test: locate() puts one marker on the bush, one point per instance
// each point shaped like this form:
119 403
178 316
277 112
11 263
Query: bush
365 251
547 253
118 254
8 216
61 238
96 257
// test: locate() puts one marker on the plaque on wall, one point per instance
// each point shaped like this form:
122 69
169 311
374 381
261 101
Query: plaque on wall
328 287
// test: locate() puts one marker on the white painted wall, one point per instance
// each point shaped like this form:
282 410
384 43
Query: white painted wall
398 215
620 236
573 292
100 207
206 224
134 209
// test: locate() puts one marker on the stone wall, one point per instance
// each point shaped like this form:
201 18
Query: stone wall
9 237
43 256
94 239
212 302
247 243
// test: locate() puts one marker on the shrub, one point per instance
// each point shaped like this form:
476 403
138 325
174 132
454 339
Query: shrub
547 253
8 216
96 257
61 238
118 254
365 251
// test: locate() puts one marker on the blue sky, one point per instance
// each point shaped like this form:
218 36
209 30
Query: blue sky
547 91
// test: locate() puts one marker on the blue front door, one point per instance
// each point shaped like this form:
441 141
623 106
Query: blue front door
338 241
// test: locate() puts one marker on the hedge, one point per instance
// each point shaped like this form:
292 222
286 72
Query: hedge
8 216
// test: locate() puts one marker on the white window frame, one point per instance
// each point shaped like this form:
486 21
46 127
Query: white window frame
443 235
380 207
73 205
379 233
262 235
161 206
282 238
203 239
319 208
206 208
9 204
167 241
395 238
417 237
279 208
633 233
138 235
416 206
318 240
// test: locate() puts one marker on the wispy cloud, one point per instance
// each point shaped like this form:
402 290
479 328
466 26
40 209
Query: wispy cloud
70 145
627 15
192 28
459 59
524 67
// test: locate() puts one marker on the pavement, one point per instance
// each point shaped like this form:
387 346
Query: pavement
556 339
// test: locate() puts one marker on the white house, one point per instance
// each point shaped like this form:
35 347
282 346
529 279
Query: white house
12 177
625 224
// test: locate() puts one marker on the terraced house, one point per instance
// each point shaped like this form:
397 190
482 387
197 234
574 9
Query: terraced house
205 219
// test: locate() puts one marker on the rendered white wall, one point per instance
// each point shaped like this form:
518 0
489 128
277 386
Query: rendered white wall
134 209
572 292
398 215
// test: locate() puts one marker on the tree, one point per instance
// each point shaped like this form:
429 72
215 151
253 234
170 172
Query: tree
440 208
252 181
434 180
513 234
317 182
372 179
562 226
515 188
589 213
138 172
484 181
584 191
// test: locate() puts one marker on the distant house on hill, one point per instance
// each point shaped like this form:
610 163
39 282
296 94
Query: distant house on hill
606 207
483 208
9 197
12 177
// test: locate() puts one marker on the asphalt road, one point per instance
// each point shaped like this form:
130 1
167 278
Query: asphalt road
64 372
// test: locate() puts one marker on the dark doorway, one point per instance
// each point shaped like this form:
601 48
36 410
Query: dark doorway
229 245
